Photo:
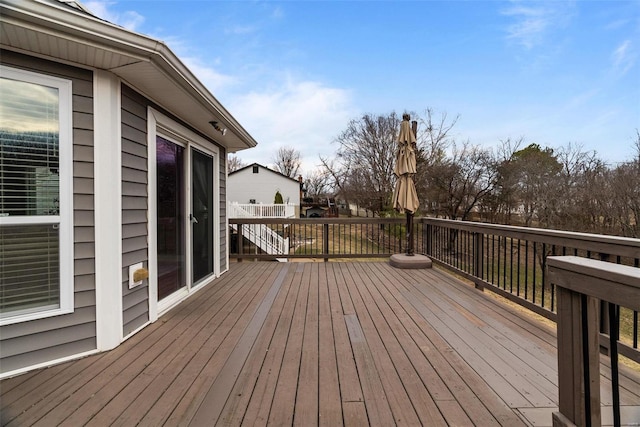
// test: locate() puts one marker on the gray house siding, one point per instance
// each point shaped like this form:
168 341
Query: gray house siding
43 340
223 209
135 302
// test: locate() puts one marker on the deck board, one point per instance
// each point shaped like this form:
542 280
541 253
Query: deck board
329 402
315 344
467 390
395 342
467 331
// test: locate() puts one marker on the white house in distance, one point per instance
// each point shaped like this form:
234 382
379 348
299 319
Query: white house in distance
258 184
113 174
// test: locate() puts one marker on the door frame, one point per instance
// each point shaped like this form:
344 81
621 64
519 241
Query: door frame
158 124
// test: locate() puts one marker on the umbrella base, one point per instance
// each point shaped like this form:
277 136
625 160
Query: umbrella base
410 261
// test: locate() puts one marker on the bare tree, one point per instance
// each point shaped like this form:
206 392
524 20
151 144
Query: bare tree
234 163
458 184
433 142
433 137
502 203
287 161
636 146
363 167
336 174
538 185
624 193
317 183
362 170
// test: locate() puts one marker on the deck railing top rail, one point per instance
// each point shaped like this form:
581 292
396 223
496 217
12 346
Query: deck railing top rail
619 284
613 245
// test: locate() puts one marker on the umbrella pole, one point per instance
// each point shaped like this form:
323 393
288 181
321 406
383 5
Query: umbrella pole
410 251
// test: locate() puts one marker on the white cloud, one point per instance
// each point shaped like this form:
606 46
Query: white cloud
212 79
623 58
529 26
241 29
130 20
532 21
305 115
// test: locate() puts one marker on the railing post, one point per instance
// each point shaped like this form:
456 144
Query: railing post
604 316
578 360
325 241
581 284
240 245
477 255
429 239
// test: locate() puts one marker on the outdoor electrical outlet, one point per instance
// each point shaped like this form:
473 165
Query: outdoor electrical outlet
137 274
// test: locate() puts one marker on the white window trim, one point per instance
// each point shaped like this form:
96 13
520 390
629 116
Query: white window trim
65 219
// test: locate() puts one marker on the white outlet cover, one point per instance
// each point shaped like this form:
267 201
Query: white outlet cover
132 269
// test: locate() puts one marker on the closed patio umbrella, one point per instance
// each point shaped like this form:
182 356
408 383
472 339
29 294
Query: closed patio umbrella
405 197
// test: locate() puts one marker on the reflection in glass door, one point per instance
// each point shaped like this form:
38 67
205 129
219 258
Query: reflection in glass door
201 214
171 225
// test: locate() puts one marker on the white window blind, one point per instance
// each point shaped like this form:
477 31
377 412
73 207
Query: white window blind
30 268
35 198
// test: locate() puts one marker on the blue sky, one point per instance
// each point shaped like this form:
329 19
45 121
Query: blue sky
295 72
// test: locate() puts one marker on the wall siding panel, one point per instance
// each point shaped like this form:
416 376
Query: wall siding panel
43 340
135 193
223 209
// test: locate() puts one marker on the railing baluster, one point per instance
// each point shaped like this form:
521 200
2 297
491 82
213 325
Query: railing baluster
504 264
535 273
544 257
519 263
511 265
614 329
526 270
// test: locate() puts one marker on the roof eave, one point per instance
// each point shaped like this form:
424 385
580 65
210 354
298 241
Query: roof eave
130 55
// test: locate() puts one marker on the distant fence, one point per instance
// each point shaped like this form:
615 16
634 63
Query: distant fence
261 210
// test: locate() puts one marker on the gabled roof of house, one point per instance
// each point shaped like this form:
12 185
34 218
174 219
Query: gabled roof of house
265 168
76 5
65 31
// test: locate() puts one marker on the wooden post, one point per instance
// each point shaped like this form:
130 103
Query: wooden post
239 237
325 241
578 359
429 239
477 256
582 283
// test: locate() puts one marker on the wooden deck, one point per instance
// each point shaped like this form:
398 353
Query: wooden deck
315 344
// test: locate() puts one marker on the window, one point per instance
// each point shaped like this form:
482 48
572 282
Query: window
36 227
255 169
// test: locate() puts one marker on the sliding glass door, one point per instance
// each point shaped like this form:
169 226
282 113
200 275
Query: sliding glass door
171 224
185 217
202 214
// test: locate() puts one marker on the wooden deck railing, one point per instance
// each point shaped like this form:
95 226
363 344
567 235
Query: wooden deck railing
329 238
582 286
510 261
